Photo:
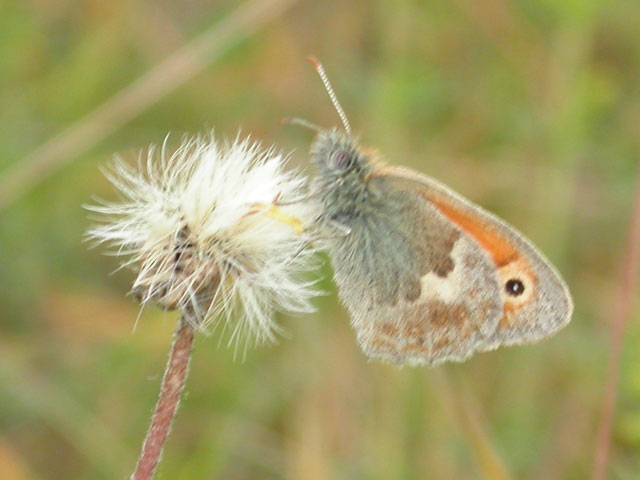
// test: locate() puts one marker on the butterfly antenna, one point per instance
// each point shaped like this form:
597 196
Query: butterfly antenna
301 122
327 85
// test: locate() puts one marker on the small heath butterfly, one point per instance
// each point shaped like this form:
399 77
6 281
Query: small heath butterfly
426 275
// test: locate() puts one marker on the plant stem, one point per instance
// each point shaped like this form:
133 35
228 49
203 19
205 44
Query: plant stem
623 304
173 383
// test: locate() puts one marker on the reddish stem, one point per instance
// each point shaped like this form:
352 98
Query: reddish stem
173 383
627 285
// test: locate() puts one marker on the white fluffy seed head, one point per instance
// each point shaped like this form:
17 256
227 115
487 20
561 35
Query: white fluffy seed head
201 228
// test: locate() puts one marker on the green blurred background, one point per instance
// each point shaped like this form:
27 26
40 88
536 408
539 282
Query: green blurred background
531 109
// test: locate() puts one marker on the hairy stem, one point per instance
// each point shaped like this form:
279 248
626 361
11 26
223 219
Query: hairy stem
173 383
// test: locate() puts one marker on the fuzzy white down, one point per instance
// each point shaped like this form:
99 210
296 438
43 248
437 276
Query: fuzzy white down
215 191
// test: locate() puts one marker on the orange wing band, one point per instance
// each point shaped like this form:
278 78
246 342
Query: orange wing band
491 240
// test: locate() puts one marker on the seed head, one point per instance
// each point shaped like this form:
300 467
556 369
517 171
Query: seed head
202 229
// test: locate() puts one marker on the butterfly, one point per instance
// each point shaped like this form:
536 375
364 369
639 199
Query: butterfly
427 276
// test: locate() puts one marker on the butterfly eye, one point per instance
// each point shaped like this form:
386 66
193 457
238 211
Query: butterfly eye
514 287
342 160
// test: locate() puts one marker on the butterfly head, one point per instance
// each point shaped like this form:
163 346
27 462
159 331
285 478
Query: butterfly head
343 172
337 154
343 166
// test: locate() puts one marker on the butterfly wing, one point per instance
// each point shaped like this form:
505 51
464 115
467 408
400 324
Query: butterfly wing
430 277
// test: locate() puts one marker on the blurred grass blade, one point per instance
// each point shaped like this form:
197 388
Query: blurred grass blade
88 434
137 97
619 322
464 409
13 464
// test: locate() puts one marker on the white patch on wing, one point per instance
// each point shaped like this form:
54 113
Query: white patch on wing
447 289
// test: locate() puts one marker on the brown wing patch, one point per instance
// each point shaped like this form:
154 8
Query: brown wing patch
383 346
432 331
388 329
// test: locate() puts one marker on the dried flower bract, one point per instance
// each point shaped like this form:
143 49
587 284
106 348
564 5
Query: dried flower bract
203 231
